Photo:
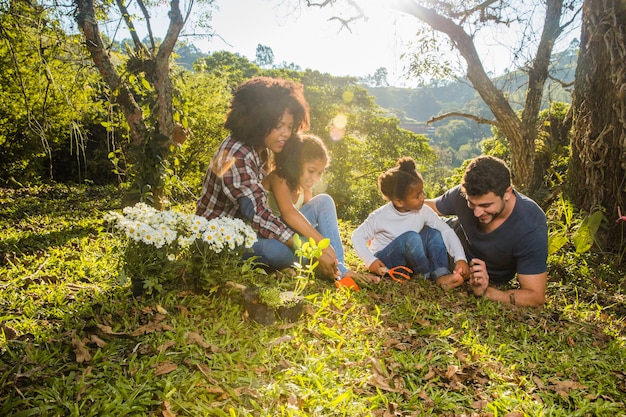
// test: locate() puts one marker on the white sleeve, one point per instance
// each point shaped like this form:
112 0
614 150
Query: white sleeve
361 236
450 239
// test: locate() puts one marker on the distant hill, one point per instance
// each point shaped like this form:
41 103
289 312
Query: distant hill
420 104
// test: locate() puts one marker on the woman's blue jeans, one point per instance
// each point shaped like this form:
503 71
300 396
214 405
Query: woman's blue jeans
424 252
321 212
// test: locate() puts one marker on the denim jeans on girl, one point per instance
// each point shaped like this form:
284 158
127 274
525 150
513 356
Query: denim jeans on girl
424 252
321 212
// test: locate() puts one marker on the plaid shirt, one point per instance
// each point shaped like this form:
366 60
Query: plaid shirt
236 171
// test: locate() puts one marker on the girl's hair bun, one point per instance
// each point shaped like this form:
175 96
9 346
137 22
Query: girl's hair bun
406 164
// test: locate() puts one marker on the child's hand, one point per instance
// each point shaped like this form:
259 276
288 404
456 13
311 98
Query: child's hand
378 267
461 267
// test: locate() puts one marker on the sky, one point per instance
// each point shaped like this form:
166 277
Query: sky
306 37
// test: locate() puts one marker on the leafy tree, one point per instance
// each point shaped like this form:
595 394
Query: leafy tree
264 56
207 98
47 97
142 85
186 54
233 67
597 166
378 79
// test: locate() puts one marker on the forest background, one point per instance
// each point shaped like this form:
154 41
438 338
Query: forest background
102 114
61 122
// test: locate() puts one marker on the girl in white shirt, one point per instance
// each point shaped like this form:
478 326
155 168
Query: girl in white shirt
405 232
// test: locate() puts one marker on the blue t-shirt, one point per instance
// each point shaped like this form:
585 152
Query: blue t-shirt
519 245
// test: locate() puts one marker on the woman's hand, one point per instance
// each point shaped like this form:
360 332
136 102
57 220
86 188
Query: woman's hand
328 263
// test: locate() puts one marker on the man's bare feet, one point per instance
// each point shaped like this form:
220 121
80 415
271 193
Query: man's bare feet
450 281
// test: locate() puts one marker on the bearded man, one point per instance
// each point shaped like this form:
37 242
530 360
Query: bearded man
505 233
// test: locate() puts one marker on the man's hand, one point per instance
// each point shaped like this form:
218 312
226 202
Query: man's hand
532 291
479 278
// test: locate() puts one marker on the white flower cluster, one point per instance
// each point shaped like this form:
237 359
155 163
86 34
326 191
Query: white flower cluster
146 224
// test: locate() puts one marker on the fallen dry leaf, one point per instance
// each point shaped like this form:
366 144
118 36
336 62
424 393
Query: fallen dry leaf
166 411
428 402
215 390
99 342
282 339
109 331
461 356
246 391
377 367
81 352
429 375
9 332
292 400
380 382
452 370
195 338
165 346
159 317
391 342
165 368
477 405
539 382
570 385
184 311
392 410
151 327
563 388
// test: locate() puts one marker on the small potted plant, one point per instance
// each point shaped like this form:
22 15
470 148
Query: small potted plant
283 298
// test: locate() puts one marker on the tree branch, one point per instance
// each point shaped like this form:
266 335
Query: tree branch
88 24
131 26
163 80
146 16
563 84
477 119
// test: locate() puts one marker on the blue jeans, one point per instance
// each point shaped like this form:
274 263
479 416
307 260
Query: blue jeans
321 212
424 252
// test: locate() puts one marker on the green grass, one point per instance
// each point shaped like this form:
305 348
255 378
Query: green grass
83 346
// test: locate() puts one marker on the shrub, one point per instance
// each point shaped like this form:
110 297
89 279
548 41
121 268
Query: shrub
164 246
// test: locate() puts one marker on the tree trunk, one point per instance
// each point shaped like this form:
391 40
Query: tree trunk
537 76
597 169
